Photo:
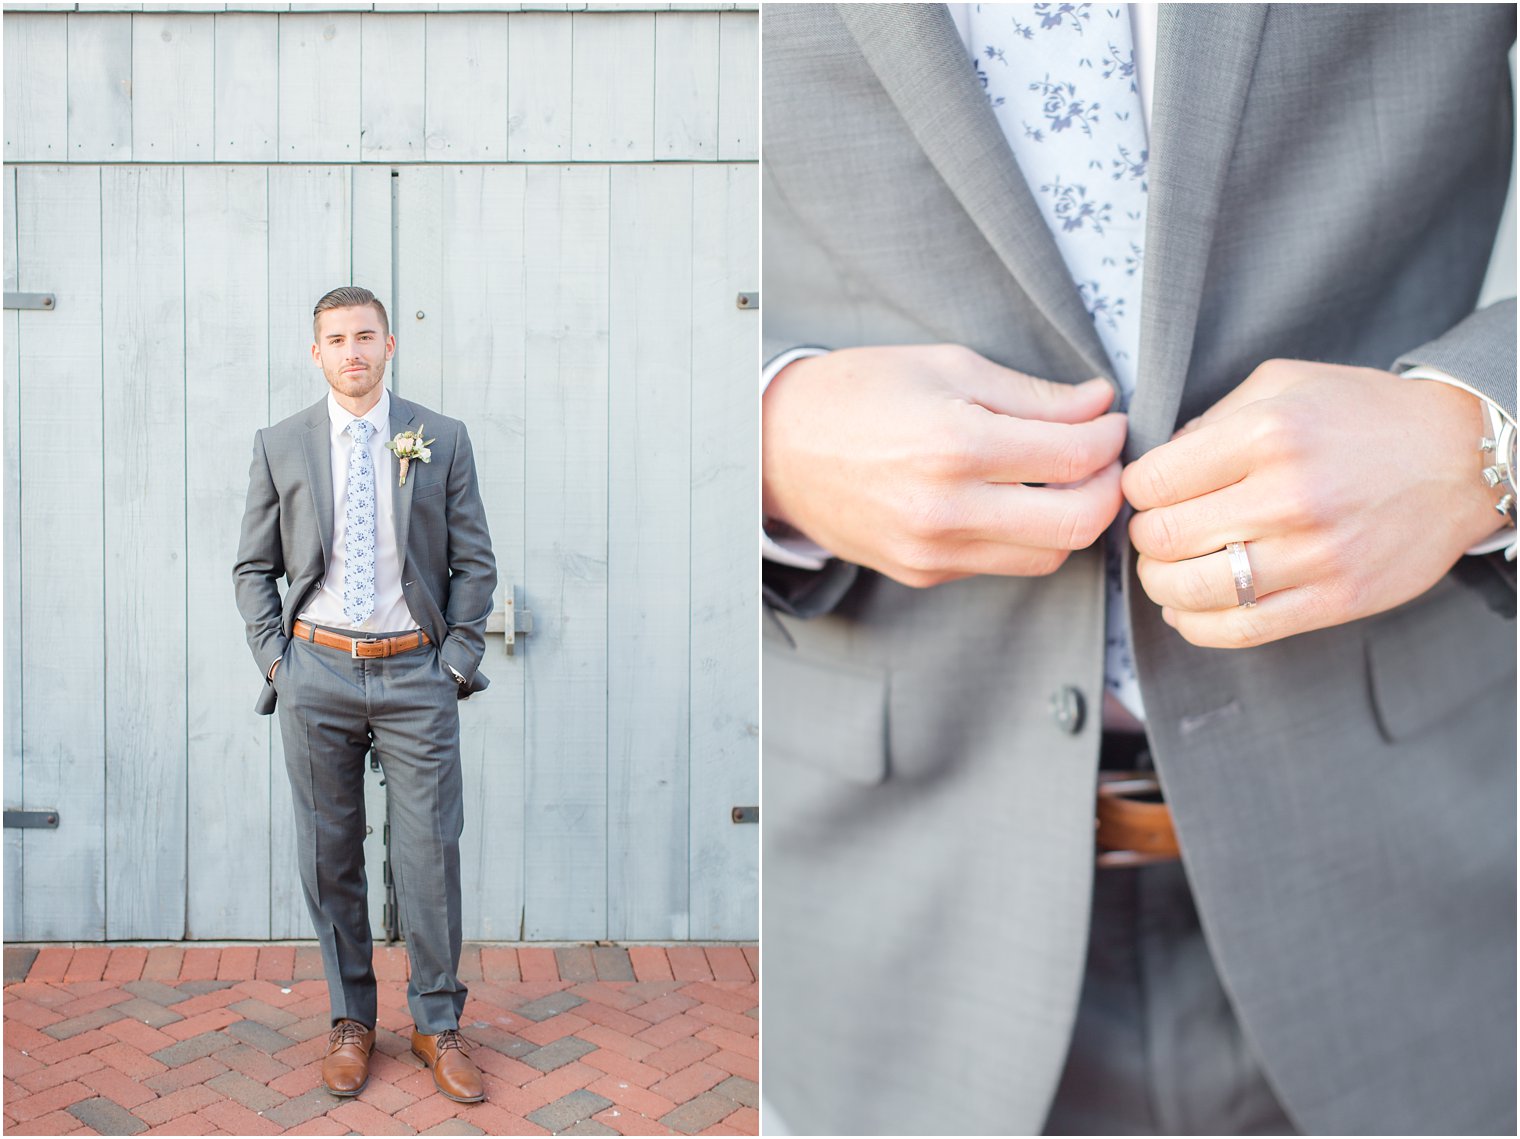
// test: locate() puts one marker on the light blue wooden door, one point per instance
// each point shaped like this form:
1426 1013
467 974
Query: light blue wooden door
581 320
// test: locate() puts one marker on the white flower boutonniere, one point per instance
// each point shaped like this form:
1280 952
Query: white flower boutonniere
409 445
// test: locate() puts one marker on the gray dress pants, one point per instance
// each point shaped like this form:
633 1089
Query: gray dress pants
331 707
1156 1049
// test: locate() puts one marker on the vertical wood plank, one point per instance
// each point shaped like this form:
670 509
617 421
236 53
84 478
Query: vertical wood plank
372 234
173 89
62 571
482 320
686 86
319 87
100 87
36 87
392 86
417 370
143 320
11 616
725 580
739 87
612 101
467 81
226 400
310 251
565 533
539 87
247 91
648 541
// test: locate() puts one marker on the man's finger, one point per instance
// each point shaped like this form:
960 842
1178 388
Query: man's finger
1009 392
1201 525
1284 614
1048 518
1206 458
1030 450
1205 584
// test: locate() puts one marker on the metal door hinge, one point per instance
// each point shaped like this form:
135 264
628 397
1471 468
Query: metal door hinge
30 300
45 819
745 814
747 301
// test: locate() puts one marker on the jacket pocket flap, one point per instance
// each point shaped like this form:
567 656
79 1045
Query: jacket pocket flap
828 715
1435 657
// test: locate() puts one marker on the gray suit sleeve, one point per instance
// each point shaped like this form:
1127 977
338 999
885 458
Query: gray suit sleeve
472 566
261 563
1480 352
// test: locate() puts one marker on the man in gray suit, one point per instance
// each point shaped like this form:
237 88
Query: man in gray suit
1303 662
381 537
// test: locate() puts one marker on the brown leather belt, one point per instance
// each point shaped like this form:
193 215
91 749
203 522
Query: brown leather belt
362 647
1134 826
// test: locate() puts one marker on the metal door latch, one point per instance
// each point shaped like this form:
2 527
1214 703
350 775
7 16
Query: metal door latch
510 621
30 300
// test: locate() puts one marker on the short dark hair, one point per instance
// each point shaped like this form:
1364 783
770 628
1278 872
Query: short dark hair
349 296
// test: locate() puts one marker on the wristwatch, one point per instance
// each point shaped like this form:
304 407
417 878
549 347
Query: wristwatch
1499 448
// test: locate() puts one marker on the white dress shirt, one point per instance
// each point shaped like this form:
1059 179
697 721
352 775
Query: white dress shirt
391 614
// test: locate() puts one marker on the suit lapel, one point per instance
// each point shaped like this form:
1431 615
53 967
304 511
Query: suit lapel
1206 55
317 446
403 418
920 61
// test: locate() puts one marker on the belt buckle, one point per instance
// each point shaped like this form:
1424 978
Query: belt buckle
354 643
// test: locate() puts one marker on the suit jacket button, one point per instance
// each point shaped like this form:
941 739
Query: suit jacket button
1068 709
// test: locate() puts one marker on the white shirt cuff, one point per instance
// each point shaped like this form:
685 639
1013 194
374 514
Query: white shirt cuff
794 551
1505 535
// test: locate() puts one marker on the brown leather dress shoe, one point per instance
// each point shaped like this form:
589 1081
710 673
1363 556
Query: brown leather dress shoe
345 1068
448 1054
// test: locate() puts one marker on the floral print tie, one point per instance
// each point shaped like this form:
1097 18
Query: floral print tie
1060 79
359 527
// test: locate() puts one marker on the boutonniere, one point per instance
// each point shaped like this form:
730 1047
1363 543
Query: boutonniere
409 445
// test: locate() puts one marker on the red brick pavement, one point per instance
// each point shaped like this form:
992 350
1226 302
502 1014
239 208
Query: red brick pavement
228 1040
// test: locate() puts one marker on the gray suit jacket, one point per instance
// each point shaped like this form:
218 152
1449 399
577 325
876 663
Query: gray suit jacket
448 572
1325 183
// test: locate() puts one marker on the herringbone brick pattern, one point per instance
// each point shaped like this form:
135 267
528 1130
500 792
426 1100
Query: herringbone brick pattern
228 1040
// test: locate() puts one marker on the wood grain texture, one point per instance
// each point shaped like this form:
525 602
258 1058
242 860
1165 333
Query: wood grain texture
62 552
648 547
143 323
11 615
725 586
392 90
226 400
467 81
319 87
36 87
173 87
484 384
310 253
686 86
100 88
565 534
739 87
539 87
612 100
247 89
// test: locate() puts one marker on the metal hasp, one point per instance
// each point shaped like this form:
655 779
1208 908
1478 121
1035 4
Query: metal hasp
510 621
747 301
48 820
745 814
30 300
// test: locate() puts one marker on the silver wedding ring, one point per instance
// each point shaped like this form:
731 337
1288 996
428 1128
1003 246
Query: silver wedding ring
1240 568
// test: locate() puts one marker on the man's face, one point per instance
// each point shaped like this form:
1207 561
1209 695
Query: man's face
352 349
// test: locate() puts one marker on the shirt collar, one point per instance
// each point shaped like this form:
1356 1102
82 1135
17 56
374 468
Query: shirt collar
379 416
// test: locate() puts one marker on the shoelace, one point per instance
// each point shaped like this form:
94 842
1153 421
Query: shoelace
346 1032
450 1038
